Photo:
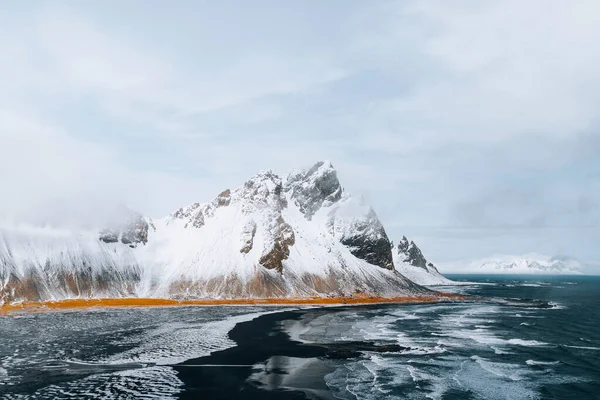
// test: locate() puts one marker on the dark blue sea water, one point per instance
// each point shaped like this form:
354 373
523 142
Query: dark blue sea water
483 350
529 338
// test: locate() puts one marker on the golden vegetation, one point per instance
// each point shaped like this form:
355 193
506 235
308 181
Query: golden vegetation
358 298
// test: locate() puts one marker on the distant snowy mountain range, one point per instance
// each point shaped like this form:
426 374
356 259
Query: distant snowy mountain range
301 235
527 264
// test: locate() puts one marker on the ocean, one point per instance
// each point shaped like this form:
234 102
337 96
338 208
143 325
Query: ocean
533 337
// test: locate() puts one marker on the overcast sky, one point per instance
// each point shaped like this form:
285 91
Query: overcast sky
470 126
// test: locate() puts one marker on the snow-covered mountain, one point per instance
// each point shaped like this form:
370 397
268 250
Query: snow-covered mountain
411 263
526 264
301 235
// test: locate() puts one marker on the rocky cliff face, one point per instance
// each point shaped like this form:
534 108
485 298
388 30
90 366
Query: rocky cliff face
355 225
315 188
412 254
271 237
366 239
409 260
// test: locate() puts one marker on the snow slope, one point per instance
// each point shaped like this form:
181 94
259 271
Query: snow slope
302 235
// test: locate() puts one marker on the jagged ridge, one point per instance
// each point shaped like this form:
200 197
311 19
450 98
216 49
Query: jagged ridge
409 260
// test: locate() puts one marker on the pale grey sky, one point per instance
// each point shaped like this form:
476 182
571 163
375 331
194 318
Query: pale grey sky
470 126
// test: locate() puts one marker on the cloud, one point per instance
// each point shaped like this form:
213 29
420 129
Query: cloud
48 176
450 118
128 79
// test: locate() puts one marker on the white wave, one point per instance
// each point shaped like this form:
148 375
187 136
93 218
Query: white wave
404 315
533 362
148 383
379 377
174 343
583 347
295 330
502 370
418 375
527 343
488 380
424 350
486 337
556 306
498 350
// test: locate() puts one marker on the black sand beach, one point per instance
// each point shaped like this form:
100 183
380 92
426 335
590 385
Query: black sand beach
268 364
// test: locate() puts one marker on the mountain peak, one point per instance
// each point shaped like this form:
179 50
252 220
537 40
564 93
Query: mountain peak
321 167
410 253
410 262
312 189
403 245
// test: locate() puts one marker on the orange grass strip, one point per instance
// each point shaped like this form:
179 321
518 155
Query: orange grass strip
68 304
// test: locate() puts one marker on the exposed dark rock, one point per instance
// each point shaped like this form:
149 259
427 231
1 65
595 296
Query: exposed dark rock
314 188
280 249
377 252
224 198
193 215
264 190
403 245
415 256
368 241
248 234
412 254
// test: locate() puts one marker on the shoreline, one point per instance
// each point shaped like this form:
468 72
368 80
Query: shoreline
129 302
267 363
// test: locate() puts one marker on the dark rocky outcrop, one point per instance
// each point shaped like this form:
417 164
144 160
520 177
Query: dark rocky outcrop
248 233
314 188
224 198
412 255
195 214
374 251
366 239
280 249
